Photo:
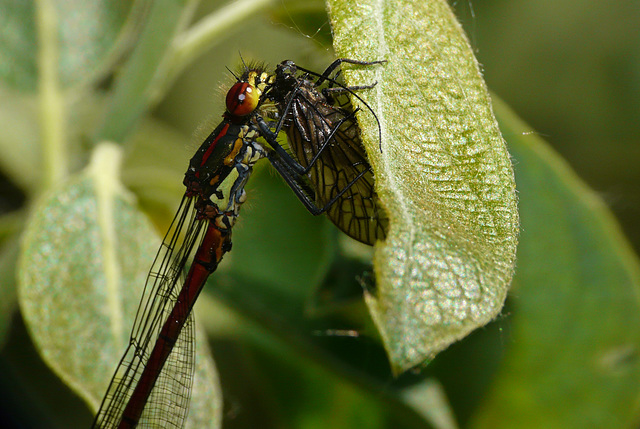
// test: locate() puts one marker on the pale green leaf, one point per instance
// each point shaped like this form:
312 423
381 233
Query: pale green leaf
18 37
442 172
84 261
85 33
205 409
430 400
51 53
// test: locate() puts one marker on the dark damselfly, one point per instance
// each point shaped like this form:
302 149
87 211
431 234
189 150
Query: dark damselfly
326 167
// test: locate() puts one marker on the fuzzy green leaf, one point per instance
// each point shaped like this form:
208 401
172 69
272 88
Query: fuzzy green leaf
443 174
85 33
85 256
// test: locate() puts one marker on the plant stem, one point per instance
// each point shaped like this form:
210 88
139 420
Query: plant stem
52 104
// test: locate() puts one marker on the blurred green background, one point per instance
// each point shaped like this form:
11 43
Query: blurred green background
570 69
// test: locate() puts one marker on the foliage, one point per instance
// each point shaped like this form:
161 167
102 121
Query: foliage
292 337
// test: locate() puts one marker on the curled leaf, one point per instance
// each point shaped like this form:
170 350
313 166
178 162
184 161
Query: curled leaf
443 174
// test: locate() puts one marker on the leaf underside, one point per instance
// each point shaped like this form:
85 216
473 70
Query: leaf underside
444 175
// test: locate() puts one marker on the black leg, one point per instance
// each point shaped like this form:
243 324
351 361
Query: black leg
302 190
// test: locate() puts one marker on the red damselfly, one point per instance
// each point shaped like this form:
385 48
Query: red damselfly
325 166
152 383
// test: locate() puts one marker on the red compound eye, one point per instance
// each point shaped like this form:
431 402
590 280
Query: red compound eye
242 99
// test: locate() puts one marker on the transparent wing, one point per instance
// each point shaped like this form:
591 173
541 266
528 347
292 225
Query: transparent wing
168 403
159 297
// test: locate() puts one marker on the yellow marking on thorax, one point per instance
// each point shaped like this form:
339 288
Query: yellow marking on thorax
230 159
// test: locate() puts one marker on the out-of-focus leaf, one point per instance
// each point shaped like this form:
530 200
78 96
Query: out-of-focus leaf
205 409
86 30
430 400
131 90
575 358
85 256
18 43
443 174
10 224
303 385
51 48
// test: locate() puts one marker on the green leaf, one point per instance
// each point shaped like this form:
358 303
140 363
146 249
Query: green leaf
429 399
18 44
205 409
85 257
280 253
574 359
443 173
267 360
289 249
85 33
51 54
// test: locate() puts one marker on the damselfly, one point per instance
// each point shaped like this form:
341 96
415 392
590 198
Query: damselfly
326 168
151 385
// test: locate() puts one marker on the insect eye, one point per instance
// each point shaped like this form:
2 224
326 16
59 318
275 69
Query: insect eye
242 99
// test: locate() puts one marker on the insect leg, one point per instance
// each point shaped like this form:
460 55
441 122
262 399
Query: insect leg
301 188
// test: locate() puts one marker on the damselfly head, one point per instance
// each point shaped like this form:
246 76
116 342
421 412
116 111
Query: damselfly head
245 95
262 81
